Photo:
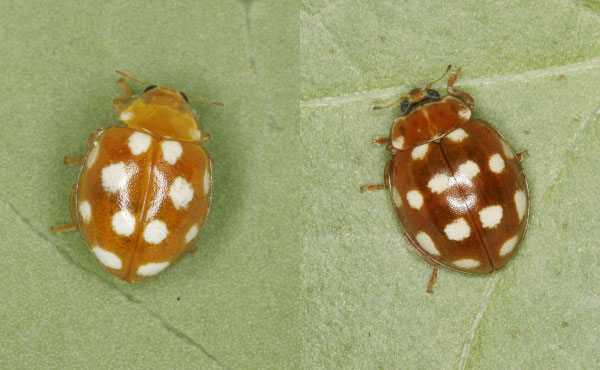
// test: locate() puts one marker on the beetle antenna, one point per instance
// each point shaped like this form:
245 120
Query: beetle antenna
391 104
132 79
442 76
205 101
188 95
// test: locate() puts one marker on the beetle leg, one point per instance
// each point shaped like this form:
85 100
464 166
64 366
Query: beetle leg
59 229
390 148
380 140
520 155
425 257
119 103
432 279
75 161
205 137
192 248
370 188
457 93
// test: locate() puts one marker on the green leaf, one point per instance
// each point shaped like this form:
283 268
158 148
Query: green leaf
534 71
228 305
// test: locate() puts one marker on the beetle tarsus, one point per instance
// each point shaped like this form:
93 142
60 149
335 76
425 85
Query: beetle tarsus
370 188
59 229
433 279
521 155
73 160
380 140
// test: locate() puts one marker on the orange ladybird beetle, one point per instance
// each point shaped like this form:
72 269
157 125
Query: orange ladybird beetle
143 191
456 184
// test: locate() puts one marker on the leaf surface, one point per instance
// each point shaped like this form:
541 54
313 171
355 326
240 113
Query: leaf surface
534 71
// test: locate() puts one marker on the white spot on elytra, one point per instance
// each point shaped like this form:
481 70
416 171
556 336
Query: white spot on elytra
457 135
438 183
139 143
508 246
466 263
490 216
207 180
151 268
420 152
114 177
181 193
155 232
496 163
521 203
107 258
123 222
398 142
85 210
427 244
469 169
91 159
191 234
171 151
396 198
415 199
507 150
457 230
465 114
126 116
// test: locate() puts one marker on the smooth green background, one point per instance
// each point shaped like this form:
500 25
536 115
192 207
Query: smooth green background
234 302
533 68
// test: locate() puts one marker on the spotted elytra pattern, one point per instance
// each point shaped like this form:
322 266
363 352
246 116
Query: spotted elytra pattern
456 184
144 191
142 202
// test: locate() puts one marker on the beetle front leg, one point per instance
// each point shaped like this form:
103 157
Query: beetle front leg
120 102
458 93
520 155
380 140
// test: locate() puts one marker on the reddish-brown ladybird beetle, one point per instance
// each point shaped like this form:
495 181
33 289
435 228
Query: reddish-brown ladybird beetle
457 186
144 191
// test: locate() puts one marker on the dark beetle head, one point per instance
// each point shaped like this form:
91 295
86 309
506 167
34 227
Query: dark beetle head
418 97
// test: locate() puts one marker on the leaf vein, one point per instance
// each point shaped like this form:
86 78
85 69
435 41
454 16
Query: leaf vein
377 94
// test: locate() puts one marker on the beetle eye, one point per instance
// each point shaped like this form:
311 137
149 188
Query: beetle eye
184 97
150 88
405 106
432 94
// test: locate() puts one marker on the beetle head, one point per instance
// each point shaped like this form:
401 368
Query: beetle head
419 97
164 112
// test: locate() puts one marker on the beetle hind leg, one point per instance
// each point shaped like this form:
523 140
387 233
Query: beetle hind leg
74 161
59 229
433 279
422 255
